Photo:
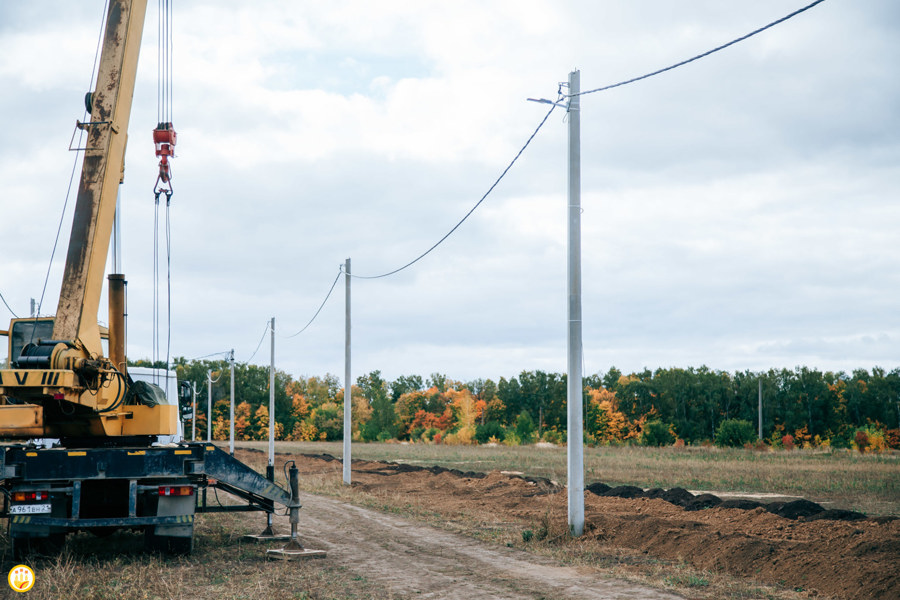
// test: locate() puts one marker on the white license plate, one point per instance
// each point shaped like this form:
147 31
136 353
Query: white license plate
28 509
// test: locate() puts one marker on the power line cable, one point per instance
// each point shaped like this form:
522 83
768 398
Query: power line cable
321 306
707 53
208 355
259 345
8 307
468 214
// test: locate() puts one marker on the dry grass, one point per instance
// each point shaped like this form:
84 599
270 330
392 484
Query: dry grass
222 566
839 479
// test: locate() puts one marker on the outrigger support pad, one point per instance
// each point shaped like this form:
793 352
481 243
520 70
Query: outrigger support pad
294 550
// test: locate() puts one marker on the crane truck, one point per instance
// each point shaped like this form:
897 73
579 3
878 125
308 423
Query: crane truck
107 472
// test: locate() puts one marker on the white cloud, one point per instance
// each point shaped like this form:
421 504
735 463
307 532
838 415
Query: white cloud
738 212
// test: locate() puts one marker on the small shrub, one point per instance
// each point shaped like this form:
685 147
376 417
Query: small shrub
734 433
687 580
552 436
871 439
511 439
842 439
787 442
656 433
861 439
821 442
892 437
491 429
877 442
437 437
679 444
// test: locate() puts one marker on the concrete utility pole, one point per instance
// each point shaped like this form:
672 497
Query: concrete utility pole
575 436
348 386
209 405
272 400
231 429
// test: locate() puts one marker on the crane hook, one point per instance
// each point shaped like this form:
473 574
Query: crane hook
164 138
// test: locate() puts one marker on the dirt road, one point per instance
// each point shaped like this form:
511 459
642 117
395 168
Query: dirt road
416 561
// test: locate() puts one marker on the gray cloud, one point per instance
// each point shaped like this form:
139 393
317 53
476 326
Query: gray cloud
740 212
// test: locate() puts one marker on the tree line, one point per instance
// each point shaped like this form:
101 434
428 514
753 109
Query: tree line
801 406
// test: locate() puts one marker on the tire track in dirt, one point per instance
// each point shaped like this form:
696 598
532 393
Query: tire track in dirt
414 560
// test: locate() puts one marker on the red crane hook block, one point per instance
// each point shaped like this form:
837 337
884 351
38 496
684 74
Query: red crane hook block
164 137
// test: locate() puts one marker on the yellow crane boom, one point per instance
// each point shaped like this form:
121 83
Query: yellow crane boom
63 386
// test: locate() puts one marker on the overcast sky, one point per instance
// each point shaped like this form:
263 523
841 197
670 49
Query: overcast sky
740 212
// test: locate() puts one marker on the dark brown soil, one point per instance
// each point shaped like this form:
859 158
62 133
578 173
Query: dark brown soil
798 545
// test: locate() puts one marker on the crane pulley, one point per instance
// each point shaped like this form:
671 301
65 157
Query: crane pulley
164 138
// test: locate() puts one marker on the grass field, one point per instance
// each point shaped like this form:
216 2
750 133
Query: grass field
839 479
223 567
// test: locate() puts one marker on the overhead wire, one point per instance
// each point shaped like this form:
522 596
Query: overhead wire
468 214
259 345
8 307
321 306
213 354
703 55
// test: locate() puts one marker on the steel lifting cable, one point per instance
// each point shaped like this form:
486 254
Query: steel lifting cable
164 139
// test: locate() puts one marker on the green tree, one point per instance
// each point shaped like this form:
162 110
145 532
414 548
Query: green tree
383 422
525 427
328 419
405 384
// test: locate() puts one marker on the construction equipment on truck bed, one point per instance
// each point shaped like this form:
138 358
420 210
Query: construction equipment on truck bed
108 473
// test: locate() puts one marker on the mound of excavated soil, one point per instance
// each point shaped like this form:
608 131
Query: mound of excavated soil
797 544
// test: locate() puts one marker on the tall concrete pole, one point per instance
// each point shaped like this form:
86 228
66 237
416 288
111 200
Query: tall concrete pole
575 436
209 405
272 399
348 386
231 426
